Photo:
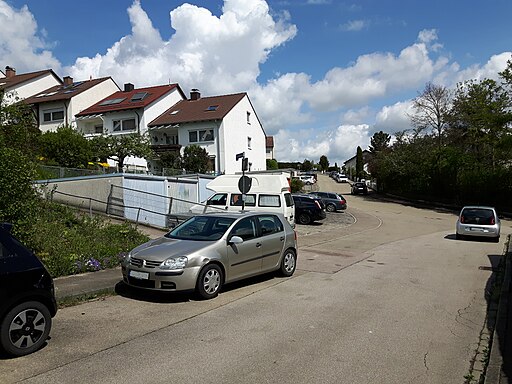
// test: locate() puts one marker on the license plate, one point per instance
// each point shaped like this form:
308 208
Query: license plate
139 275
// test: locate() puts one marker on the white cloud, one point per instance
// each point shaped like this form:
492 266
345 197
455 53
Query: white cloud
394 118
354 25
20 45
218 54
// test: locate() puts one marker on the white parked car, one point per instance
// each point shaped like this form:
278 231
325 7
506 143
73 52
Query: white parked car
478 221
340 178
307 179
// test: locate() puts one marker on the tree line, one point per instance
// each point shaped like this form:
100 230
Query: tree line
459 147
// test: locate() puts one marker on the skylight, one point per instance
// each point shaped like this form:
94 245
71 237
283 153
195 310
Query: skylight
175 112
139 96
212 108
112 101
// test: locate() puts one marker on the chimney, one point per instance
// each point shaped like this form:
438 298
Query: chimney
10 71
68 80
128 87
195 94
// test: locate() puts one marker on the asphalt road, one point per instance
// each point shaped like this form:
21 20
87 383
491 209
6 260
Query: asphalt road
383 294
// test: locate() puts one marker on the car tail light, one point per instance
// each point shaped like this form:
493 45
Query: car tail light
462 219
492 221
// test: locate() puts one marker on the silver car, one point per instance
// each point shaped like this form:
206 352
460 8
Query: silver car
478 221
212 249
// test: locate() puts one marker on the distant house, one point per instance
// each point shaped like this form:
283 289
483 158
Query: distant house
128 111
270 147
350 164
22 86
224 125
59 104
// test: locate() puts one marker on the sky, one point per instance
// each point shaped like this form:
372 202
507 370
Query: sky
322 75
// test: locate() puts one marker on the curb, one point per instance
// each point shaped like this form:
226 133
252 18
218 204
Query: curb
501 348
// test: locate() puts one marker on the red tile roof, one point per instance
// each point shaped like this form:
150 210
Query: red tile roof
123 99
202 109
64 92
10 82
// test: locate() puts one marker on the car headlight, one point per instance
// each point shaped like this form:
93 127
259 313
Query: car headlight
175 263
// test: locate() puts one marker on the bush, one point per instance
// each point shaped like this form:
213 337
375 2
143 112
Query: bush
68 242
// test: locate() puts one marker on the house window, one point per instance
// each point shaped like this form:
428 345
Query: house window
123 125
248 117
200 136
98 128
50 116
249 142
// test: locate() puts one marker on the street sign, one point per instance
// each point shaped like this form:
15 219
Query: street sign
244 184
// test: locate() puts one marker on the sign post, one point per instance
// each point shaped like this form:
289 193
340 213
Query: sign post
244 183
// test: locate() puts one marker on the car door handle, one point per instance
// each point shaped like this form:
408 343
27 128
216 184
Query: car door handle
258 245
281 238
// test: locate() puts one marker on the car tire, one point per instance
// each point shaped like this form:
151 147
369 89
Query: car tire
330 208
304 218
25 328
289 263
209 282
496 239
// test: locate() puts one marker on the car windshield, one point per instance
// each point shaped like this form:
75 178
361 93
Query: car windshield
477 216
201 228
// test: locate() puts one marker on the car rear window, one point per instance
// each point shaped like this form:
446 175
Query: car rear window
477 216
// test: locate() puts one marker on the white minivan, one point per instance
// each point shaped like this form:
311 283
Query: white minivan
268 193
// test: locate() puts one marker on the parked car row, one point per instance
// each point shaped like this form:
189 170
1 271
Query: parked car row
339 177
333 201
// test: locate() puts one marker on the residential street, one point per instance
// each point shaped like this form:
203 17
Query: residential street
383 294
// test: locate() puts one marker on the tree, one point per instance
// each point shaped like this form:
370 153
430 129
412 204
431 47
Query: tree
119 147
480 119
272 164
324 163
18 127
432 107
359 162
307 165
66 147
195 159
379 142
18 142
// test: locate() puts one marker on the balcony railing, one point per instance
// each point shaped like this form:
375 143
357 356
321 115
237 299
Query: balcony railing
159 148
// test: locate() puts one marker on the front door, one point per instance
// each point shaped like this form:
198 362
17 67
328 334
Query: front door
244 258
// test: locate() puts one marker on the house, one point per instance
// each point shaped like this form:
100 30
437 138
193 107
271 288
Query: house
22 86
270 147
350 164
59 104
128 111
223 125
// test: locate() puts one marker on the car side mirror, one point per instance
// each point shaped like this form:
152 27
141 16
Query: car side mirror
236 240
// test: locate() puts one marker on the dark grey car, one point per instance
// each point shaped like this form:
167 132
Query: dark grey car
209 250
333 201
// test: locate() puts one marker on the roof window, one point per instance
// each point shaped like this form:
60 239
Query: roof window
212 108
139 96
113 101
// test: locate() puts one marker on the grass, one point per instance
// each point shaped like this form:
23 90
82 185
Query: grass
70 243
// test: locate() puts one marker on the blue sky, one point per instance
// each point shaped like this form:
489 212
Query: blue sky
323 75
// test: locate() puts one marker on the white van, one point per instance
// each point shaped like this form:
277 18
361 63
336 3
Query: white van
268 193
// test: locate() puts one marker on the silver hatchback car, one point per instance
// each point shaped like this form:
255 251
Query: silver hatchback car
478 221
209 250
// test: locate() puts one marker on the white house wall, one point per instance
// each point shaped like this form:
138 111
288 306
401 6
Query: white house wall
236 131
34 86
210 146
53 106
91 96
158 107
